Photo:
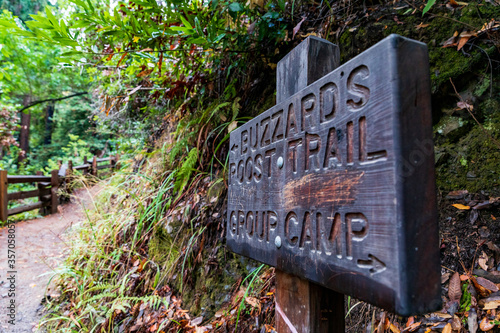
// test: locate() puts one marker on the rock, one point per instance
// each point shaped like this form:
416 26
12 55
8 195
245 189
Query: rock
452 127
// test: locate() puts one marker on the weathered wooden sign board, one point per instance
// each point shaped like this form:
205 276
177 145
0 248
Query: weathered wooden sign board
336 183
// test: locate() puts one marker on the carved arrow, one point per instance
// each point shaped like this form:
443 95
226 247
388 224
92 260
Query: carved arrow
373 263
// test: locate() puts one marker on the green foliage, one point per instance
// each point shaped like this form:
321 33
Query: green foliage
175 48
253 276
8 124
30 71
184 172
428 6
465 301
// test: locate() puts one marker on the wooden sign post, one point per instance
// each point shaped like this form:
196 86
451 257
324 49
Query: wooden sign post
300 304
335 184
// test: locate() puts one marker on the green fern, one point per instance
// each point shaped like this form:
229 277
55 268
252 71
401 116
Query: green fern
122 303
236 108
184 173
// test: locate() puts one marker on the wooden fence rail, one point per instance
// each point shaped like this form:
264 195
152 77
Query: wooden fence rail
46 186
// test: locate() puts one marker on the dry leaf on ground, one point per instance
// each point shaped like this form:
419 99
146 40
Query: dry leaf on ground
454 289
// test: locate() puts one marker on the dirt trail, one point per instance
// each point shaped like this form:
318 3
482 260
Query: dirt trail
40 248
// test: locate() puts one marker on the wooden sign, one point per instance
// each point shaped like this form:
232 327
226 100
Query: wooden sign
335 184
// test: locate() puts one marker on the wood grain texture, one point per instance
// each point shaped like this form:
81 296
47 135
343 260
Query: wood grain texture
94 166
105 166
4 200
27 194
306 63
84 167
54 182
17 179
342 173
307 307
301 305
27 208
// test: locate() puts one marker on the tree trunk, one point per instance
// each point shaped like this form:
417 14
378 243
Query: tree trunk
24 131
48 124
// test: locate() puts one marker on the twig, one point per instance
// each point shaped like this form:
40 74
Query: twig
52 100
452 19
468 109
167 50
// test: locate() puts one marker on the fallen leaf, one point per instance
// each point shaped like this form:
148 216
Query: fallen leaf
453 3
253 301
447 328
74 320
197 321
232 126
456 195
456 324
422 25
483 205
486 284
310 34
413 327
483 259
452 41
461 207
381 326
393 328
397 20
464 277
141 265
297 27
454 289
485 325
464 105
490 303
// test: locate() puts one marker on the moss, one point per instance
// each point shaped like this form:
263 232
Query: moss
210 288
472 162
162 249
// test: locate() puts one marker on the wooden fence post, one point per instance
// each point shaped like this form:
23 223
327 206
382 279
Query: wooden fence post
117 161
4 200
94 166
69 171
69 174
85 161
54 182
303 306
40 187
